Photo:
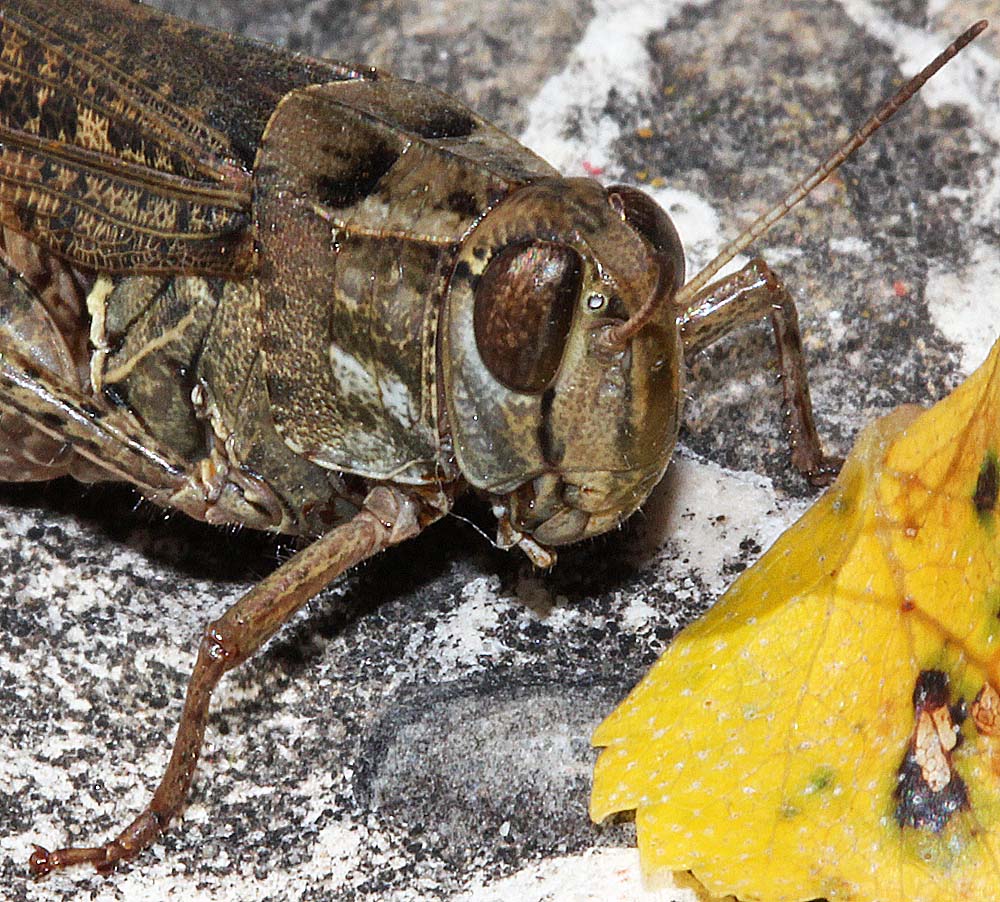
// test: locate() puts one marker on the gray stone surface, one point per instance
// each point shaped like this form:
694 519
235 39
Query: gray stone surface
421 729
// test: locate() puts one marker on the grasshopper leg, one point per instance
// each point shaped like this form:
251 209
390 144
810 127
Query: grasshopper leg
744 297
388 516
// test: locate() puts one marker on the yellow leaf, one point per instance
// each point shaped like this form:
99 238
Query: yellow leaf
831 728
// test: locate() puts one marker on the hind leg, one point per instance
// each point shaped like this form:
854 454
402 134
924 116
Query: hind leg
389 515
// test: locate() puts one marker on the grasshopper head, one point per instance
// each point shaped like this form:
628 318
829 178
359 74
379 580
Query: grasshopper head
561 357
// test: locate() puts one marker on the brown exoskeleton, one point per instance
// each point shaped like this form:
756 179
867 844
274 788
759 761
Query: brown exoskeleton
325 304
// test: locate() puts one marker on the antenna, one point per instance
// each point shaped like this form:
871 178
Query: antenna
816 177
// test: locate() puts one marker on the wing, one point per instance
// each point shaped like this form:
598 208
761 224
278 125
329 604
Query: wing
127 136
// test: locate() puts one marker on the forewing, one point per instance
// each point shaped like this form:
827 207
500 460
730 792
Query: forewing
127 136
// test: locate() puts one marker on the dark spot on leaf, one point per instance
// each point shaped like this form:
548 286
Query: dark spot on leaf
919 806
822 778
987 485
930 689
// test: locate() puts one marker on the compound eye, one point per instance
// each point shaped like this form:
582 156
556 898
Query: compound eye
648 219
523 310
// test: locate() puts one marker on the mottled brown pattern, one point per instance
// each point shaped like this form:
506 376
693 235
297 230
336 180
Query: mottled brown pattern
148 367
117 62
359 234
118 159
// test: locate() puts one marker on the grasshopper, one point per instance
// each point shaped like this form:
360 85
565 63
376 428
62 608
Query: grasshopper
327 303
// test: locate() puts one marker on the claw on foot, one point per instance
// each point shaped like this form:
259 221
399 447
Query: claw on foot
43 862
826 472
40 861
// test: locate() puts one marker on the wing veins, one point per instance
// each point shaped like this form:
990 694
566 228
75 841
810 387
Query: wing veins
166 183
162 118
